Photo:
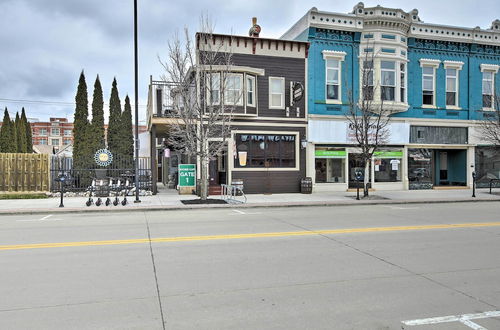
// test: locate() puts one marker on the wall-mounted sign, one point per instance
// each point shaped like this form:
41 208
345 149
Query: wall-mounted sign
296 92
187 175
329 153
388 154
103 157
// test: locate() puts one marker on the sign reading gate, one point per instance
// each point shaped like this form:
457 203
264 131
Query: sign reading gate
187 175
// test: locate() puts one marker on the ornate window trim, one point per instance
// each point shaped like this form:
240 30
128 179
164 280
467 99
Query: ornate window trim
490 67
334 54
429 62
453 65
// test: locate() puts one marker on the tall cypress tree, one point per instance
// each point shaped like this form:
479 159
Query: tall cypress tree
27 127
21 135
13 133
6 138
114 123
127 138
81 130
98 141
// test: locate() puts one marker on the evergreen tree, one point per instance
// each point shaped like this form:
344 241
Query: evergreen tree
7 134
98 141
21 135
13 132
114 123
81 149
127 137
27 128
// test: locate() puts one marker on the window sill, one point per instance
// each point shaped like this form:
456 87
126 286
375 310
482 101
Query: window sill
428 106
333 102
276 108
488 109
452 107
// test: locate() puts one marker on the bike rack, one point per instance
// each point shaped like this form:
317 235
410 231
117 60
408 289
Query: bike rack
230 193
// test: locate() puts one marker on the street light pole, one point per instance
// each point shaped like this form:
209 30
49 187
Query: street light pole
137 200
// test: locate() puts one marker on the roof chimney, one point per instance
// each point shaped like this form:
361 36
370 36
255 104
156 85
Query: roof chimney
255 29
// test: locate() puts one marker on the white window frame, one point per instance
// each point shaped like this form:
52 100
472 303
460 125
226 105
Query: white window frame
340 57
54 140
254 94
53 130
209 88
333 83
371 83
402 81
434 64
68 132
394 71
42 131
457 65
282 103
493 68
455 87
240 91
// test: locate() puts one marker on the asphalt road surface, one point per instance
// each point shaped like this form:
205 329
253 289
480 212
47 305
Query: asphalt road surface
370 267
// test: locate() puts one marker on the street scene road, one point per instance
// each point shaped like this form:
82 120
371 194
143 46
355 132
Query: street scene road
417 266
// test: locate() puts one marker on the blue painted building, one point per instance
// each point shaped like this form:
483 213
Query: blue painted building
437 82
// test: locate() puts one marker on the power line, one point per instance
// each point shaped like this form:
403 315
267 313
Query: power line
41 102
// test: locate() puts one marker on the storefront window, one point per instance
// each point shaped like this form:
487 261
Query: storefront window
265 150
387 165
487 165
420 168
330 165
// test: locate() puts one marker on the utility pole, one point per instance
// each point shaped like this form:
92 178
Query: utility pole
137 200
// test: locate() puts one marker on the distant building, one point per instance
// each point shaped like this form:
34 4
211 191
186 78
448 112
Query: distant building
57 132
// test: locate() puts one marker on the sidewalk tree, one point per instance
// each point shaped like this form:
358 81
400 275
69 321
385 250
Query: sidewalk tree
127 137
114 122
200 76
368 118
97 124
82 155
27 127
490 125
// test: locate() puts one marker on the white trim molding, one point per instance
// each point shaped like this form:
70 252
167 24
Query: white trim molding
334 54
233 68
489 67
429 62
453 64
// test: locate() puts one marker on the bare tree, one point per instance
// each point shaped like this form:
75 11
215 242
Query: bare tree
490 125
368 118
204 96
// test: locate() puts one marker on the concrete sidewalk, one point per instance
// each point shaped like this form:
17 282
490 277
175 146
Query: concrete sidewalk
170 200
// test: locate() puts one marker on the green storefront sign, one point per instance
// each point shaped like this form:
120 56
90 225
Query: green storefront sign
330 153
388 154
187 175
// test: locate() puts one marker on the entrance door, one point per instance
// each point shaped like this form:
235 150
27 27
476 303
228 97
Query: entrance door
357 164
450 167
213 172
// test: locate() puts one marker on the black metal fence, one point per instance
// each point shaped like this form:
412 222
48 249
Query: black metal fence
79 179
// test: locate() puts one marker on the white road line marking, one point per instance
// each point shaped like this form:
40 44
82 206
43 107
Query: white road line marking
238 211
472 325
401 208
46 217
464 319
245 213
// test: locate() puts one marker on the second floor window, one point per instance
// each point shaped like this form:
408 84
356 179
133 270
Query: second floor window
55 131
276 93
451 87
332 79
388 80
234 89
402 74
488 89
67 132
427 85
42 131
367 77
250 91
213 88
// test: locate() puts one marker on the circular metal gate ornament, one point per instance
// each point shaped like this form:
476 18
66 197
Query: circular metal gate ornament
103 157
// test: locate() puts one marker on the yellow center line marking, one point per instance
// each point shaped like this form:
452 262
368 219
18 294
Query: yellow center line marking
243 236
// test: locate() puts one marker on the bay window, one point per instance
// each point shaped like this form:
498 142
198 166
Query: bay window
234 89
367 83
250 89
388 80
402 82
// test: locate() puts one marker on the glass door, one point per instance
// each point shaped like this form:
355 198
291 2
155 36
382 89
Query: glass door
356 164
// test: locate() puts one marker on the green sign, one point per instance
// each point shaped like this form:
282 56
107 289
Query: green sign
330 153
187 175
388 154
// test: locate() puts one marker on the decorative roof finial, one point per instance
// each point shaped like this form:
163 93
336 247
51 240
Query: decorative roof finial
255 29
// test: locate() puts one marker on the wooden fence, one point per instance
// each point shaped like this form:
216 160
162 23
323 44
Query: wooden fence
24 172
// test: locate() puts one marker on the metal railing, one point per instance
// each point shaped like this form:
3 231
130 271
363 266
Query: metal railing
231 194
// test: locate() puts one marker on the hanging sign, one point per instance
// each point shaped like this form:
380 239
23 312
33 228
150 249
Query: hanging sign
103 157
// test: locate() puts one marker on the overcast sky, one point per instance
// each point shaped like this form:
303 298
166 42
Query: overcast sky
44 44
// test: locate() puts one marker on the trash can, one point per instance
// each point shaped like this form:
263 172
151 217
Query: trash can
306 185
238 183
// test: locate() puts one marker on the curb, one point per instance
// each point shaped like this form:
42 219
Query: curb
249 205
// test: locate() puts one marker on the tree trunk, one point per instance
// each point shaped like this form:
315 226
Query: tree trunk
366 180
204 179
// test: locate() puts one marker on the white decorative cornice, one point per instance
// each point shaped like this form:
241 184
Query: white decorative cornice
489 67
334 54
453 65
429 62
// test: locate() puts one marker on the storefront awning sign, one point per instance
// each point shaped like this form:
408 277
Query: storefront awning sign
388 154
330 154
